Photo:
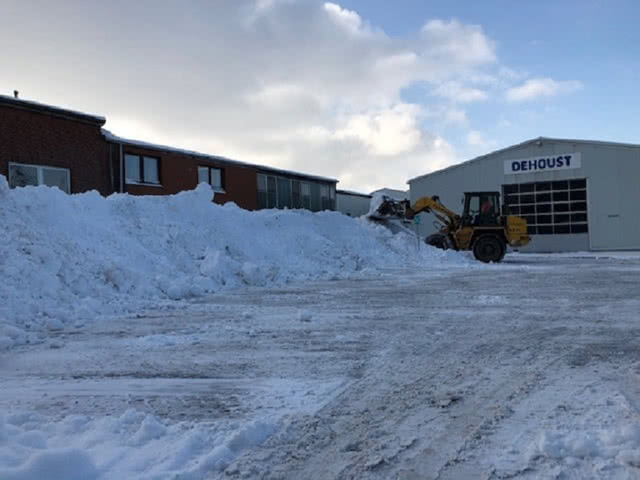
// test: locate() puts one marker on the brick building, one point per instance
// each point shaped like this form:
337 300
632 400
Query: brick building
42 144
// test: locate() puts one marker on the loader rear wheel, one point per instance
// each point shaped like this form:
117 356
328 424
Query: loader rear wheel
489 248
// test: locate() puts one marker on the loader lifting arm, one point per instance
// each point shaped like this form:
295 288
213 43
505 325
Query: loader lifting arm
449 218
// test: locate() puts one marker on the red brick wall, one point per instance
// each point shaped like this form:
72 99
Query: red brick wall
42 139
179 172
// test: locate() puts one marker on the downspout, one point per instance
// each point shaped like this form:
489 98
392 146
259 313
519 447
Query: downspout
110 162
121 169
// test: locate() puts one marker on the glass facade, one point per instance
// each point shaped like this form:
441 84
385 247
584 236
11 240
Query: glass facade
282 192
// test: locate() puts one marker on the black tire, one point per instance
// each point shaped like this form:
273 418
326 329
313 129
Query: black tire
489 248
437 240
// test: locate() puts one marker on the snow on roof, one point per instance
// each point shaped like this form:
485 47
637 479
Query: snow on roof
602 143
351 192
66 112
139 143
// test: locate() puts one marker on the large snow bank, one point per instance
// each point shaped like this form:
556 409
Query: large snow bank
72 258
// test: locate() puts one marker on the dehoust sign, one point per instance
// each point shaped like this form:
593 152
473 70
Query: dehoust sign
563 161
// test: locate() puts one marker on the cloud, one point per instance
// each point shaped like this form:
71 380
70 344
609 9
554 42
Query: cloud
304 85
477 139
457 92
541 87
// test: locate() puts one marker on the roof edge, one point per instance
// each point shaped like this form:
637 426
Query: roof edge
522 144
109 136
355 194
33 106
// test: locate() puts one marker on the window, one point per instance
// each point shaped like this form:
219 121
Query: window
306 195
325 199
267 192
21 175
296 199
141 169
557 207
213 176
282 192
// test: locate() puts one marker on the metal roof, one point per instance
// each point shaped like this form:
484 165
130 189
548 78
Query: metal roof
527 142
51 110
351 192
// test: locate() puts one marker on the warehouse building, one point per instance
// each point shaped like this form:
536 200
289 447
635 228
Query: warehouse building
48 145
351 203
576 195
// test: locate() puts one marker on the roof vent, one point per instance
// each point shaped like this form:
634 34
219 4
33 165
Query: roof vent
15 94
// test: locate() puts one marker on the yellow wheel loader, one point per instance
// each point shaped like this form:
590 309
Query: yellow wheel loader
482 228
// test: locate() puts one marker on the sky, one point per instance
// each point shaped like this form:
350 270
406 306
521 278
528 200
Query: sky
370 92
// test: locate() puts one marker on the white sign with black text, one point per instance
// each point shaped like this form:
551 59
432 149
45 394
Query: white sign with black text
544 163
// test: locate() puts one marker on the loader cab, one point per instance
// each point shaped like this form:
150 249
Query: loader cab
481 209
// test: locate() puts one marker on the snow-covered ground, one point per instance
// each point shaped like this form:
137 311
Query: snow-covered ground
392 362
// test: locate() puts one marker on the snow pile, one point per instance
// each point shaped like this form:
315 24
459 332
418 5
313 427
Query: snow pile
133 445
607 448
72 258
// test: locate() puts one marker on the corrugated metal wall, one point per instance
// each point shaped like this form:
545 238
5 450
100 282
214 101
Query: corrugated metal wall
613 190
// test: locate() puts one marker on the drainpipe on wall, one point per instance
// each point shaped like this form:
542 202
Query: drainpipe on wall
110 162
121 169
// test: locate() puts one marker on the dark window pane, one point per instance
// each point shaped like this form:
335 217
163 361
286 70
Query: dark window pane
203 175
151 170
526 187
543 208
132 168
316 204
532 230
545 230
56 177
262 183
528 209
296 199
560 229
271 192
527 198
560 207
581 183
560 185
216 178
22 175
578 217
564 218
513 210
543 219
530 219
510 189
284 193
543 197
305 189
560 196
543 186
510 199
579 207
579 228
578 195
262 199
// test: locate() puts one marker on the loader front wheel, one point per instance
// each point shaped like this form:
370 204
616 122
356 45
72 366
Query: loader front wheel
437 240
489 248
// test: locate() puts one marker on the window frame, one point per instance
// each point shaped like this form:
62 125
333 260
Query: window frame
300 193
215 188
141 160
562 200
39 174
